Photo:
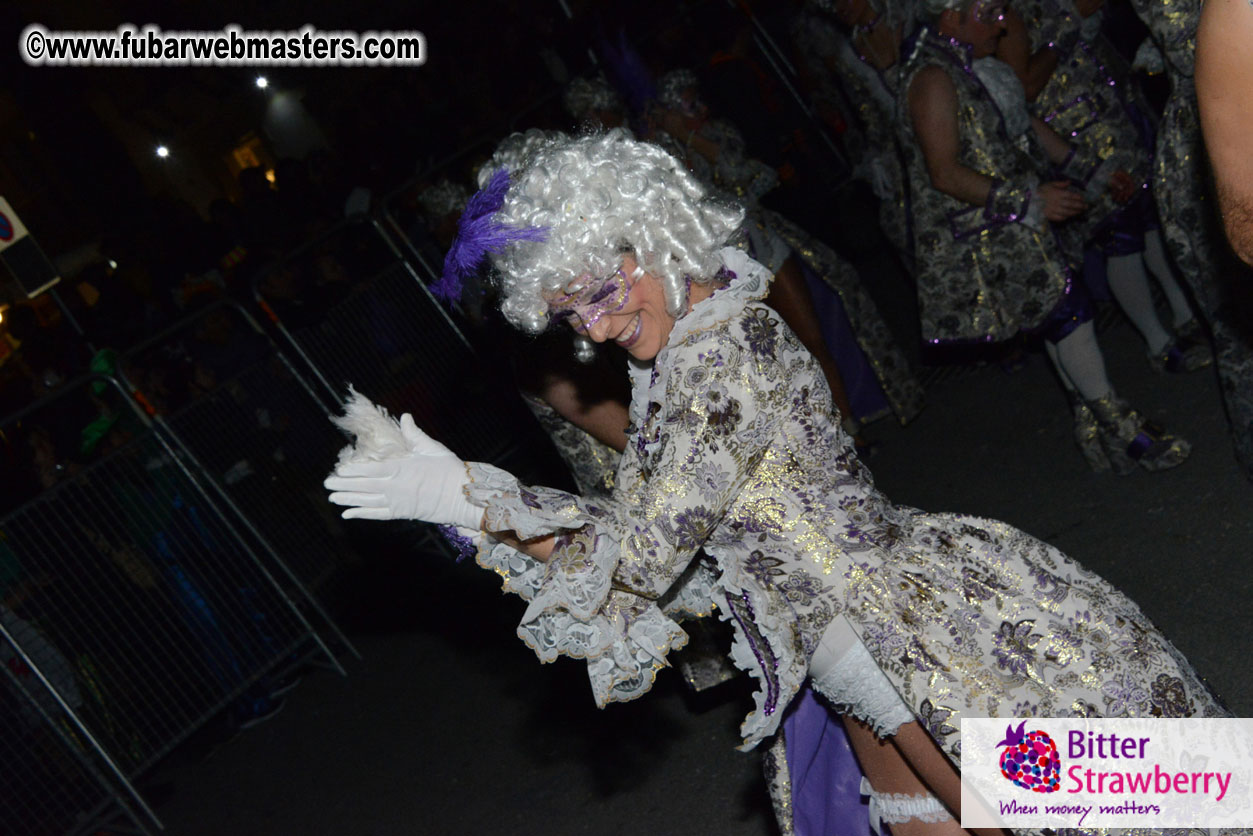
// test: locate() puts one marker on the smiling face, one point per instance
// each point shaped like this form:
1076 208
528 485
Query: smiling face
626 308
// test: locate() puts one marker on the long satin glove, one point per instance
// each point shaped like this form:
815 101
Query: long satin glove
426 483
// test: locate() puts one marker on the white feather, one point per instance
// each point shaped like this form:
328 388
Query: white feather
377 433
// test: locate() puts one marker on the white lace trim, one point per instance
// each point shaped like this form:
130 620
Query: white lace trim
691 596
856 685
572 610
788 670
894 808
751 282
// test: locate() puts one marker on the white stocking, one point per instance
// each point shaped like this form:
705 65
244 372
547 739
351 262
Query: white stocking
1078 358
1130 286
1155 260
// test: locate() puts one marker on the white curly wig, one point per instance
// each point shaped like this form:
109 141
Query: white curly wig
674 84
584 96
514 153
601 196
443 198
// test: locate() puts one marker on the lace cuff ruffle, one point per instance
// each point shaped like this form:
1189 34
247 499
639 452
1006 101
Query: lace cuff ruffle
573 609
857 685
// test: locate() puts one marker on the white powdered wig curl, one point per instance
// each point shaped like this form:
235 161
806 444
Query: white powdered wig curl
377 433
674 84
584 97
443 198
515 152
601 196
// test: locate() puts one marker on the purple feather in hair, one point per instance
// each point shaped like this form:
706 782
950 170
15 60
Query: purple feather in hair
479 233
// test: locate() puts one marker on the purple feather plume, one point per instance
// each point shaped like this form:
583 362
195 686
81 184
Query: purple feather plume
479 233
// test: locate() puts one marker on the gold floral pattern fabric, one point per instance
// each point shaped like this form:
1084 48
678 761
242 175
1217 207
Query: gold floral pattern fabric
1190 220
591 462
736 448
773 238
984 272
1091 101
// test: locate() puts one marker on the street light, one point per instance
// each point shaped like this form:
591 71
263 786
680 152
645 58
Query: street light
162 151
263 82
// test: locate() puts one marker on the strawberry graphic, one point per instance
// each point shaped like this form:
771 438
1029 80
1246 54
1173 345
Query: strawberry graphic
1029 759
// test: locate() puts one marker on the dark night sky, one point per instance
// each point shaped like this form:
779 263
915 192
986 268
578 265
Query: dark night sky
483 65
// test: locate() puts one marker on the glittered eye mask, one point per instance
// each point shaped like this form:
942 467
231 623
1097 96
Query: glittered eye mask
584 307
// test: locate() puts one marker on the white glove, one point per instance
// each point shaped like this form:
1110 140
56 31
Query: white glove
426 483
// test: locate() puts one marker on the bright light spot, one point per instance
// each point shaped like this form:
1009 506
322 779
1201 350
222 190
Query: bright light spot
112 264
269 175
263 82
162 151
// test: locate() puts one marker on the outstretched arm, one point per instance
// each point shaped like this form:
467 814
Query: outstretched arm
1224 77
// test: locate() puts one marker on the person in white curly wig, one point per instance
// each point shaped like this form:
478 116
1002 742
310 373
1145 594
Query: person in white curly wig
593 101
598 197
735 450
515 152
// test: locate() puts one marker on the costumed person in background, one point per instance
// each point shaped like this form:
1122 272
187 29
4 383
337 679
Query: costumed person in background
904 621
1219 283
591 103
858 43
817 292
1090 98
989 263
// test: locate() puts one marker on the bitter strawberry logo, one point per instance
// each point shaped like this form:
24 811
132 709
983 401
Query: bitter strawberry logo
1030 759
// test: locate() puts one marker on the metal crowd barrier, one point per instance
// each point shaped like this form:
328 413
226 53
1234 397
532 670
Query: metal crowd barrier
134 608
239 409
375 326
51 785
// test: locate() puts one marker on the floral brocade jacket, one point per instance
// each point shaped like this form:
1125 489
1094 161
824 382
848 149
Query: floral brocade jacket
984 272
736 448
1092 101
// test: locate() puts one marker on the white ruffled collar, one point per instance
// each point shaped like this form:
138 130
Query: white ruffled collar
748 282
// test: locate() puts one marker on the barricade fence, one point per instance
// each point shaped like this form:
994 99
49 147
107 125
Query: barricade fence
52 786
164 530
258 432
382 332
133 601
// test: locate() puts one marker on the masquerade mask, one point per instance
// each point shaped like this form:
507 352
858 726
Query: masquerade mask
594 300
